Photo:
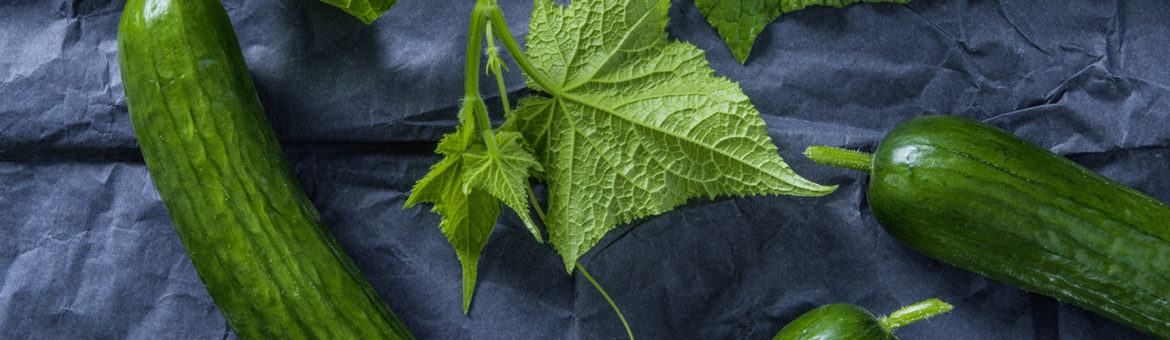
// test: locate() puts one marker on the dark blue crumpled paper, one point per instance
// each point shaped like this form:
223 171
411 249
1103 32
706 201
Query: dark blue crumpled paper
87 250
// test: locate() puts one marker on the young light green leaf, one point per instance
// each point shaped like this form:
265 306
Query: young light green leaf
503 173
366 10
468 215
637 124
740 21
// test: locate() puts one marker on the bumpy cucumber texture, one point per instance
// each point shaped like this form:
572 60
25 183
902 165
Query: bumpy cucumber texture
271 266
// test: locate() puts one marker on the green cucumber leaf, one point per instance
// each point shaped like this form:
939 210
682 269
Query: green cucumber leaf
365 10
468 215
503 173
637 124
740 21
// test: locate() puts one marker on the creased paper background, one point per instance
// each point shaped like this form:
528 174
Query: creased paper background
87 250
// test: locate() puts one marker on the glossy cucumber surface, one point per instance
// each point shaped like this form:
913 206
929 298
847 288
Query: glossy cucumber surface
982 199
838 321
258 244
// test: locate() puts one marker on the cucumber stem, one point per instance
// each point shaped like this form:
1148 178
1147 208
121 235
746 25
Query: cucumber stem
914 313
611 304
838 157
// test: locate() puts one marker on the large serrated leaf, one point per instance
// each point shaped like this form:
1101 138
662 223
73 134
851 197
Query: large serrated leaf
636 125
740 21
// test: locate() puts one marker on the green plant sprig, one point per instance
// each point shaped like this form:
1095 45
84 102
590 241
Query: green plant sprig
625 124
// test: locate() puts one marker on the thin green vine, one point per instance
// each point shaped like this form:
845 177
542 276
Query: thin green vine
494 66
611 303
535 204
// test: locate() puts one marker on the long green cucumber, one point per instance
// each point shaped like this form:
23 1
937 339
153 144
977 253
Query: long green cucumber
982 199
258 244
843 321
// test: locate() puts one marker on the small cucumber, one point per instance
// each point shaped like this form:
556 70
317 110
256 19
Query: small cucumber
271 266
843 321
977 197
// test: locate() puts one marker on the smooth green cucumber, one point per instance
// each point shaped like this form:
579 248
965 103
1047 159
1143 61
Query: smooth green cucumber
982 199
843 321
839 321
271 266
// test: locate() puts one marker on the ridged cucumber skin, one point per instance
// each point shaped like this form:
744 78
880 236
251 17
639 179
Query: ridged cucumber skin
977 197
258 244
838 321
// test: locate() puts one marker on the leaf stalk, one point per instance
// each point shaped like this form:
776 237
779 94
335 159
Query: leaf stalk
501 26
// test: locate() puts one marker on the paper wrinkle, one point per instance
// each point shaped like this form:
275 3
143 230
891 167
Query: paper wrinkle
82 9
34 48
1134 108
1004 14
52 87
